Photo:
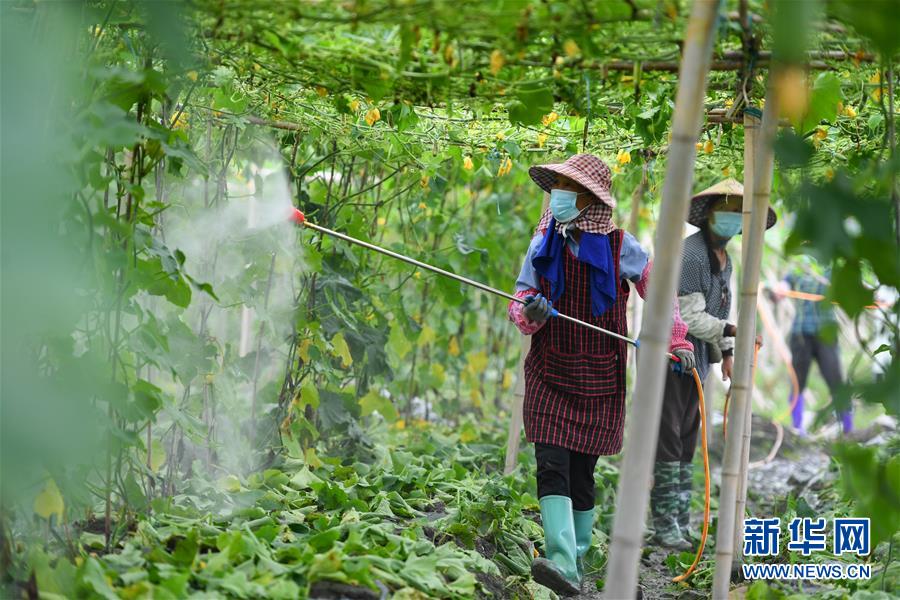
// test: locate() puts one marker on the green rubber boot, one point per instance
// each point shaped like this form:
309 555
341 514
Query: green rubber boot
584 529
559 570
686 483
664 505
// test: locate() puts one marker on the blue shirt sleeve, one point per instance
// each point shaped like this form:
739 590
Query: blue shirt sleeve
632 258
528 277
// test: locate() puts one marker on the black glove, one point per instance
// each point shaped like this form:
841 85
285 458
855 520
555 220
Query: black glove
686 363
537 308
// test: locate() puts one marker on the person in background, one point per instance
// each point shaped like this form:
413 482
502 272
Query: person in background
704 296
580 263
813 326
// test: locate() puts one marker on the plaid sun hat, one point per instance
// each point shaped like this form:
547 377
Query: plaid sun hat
699 211
591 173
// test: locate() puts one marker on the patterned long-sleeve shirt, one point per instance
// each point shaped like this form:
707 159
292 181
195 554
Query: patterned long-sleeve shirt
811 316
705 300
634 265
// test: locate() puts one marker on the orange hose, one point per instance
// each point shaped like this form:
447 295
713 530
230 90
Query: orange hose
819 297
693 566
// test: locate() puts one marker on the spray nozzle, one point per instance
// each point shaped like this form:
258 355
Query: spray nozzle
297 216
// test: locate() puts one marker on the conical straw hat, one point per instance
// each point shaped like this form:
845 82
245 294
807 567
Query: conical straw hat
728 187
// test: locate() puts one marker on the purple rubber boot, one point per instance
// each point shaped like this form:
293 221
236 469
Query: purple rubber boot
797 414
847 421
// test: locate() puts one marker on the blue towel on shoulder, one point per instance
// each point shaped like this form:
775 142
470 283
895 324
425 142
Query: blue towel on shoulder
594 249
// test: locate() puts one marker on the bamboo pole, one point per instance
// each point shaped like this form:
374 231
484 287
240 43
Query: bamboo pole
643 424
751 134
515 419
743 353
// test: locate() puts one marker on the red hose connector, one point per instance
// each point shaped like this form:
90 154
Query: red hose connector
297 217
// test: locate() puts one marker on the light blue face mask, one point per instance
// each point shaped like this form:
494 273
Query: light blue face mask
726 224
563 205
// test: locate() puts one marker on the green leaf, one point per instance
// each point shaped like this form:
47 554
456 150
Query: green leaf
823 103
398 344
309 395
373 401
530 105
877 20
871 483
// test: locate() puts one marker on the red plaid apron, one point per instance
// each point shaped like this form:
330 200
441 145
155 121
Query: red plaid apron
575 377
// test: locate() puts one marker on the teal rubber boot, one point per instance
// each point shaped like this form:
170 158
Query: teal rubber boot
559 570
584 529
686 484
664 505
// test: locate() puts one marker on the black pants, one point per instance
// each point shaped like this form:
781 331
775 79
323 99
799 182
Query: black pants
805 348
680 419
563 472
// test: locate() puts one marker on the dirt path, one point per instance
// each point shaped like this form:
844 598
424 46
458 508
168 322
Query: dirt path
800 465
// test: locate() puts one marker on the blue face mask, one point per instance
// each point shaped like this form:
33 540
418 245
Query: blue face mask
726 224
562 205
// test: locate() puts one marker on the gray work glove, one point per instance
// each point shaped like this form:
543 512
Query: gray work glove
537 308
686 363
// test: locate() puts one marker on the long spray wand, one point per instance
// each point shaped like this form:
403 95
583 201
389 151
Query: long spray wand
299 218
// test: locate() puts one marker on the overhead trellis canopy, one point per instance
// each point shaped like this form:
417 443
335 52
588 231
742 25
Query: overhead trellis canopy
478 58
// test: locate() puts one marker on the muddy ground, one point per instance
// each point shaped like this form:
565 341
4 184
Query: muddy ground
800 466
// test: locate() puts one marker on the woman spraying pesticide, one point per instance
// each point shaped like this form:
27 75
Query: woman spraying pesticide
704 297
580 263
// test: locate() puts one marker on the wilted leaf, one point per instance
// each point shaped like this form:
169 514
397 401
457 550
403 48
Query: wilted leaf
341 349
49 501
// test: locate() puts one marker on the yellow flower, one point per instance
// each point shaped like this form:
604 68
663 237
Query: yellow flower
698 145
623 157
729 103
192 75
501 136
541 138
549 118
559 61
417 275
354 105
401 424
571 48
422 205
849 111
820 134
467 163
708 147
373 115
382 221
182 121
616 169
453 347
726 171
424 183
497 61
322 92
505 167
